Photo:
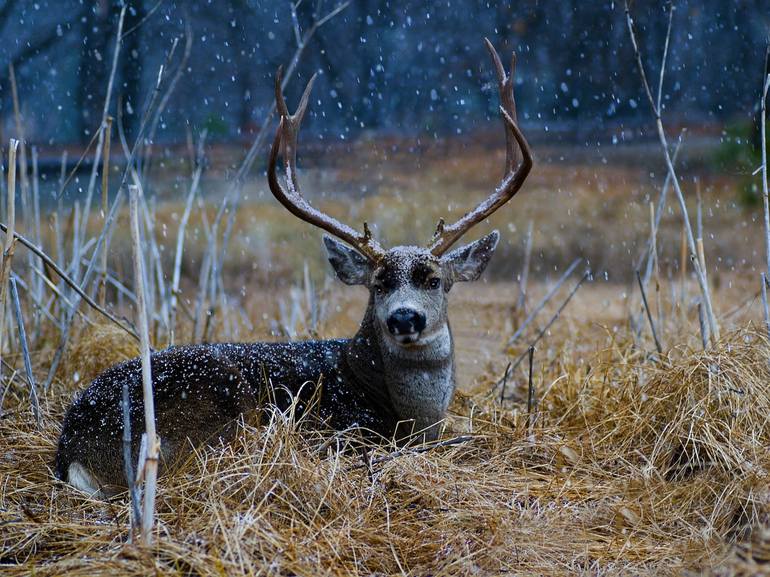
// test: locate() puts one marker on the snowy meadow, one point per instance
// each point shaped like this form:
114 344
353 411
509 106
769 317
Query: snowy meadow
612 365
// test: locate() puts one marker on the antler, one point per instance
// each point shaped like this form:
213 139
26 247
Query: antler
292 199
446 236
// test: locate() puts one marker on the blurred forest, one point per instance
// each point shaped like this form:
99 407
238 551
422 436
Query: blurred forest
390 67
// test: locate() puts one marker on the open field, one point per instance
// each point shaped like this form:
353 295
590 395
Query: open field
632 462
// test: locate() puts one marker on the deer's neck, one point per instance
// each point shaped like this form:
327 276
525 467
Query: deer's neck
418 382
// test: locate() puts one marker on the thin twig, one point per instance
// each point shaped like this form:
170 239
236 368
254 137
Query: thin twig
522 303
105 206
128 465
586 276
36 302
9 244
180 237
544 301
163 103
153 445
649 314
763 125
505 382
704 327
25 353
665 57
764 302
659 208
699 272
531 398
37 285
73 285
102 127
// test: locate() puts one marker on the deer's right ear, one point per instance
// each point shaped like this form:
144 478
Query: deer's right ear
350 265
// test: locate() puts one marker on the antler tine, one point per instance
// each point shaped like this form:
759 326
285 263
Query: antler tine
280 101
291 125
286 142
446 235
507 100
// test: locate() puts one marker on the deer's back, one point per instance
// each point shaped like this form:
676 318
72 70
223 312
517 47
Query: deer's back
201 390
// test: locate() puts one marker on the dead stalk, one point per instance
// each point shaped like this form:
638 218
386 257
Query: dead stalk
69 281
505 382
105 206
699 272
102 128
658 214
180 238
654 247
24 185
522 302
766 201
544 301
557 314
38 292
704 328
764 302
9 244
531 398
649 314
57 228
128 465
151 463
25 353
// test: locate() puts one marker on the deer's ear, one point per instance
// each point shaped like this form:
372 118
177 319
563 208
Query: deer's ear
468 262
350 265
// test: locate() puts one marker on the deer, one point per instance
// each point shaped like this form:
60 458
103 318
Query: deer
393 380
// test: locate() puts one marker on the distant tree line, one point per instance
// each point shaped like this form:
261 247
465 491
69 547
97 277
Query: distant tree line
387 66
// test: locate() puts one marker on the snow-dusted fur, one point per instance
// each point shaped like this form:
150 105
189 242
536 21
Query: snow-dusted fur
384 380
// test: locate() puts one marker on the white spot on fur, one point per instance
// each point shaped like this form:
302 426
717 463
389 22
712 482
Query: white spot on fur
80 478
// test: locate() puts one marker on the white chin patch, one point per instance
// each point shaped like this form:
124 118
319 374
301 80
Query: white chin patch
409 339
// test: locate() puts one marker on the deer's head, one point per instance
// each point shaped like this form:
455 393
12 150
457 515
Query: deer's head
408 286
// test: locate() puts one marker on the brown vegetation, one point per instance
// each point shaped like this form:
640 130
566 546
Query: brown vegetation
633 466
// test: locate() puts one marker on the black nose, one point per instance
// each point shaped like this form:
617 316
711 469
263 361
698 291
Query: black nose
405 322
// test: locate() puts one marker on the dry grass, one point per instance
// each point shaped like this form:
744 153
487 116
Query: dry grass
634 467
97 348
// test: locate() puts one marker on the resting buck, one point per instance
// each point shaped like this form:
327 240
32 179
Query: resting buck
394 378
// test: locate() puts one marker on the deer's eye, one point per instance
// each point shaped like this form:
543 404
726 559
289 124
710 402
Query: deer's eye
434 283
378 290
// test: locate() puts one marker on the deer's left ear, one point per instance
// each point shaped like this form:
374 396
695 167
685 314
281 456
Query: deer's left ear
468 262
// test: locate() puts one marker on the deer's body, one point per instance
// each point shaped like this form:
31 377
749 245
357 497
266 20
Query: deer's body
394 378
383 389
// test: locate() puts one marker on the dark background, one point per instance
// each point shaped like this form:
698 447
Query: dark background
411 68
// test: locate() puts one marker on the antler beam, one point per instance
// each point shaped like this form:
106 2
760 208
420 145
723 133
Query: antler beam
291 198
447 235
